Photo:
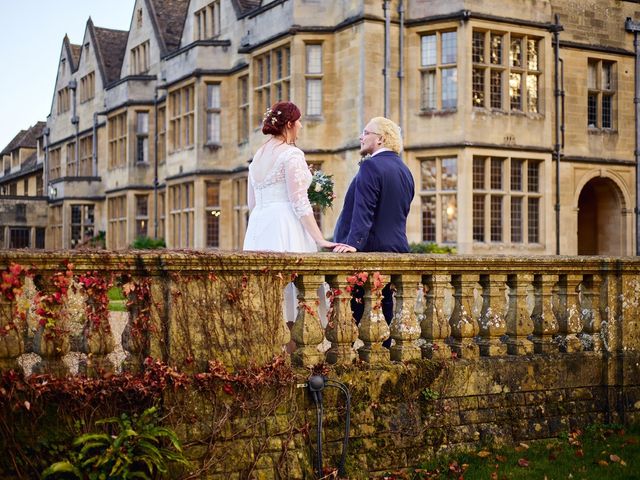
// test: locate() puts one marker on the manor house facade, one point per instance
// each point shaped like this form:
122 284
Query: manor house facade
152 129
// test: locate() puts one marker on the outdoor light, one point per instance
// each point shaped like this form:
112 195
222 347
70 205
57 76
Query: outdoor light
53 191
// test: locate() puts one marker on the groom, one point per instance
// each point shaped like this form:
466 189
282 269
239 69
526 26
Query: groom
374 216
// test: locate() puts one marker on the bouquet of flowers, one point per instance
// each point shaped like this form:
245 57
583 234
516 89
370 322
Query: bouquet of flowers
321 189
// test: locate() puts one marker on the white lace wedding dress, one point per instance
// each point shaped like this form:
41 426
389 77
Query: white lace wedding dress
277 196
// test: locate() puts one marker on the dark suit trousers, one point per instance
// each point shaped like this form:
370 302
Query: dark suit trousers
357 307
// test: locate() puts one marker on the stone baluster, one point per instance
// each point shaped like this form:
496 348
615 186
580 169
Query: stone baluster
590 312
373 328
435 319
307 331
341 329
464 319
610 313
545 323
405 329
492 321
11 336
569 310
519 322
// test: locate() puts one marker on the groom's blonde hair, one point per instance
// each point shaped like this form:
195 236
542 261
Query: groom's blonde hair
390 133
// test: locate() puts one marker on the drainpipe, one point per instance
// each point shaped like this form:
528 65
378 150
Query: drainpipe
155 159
387 55
45 166
73 85
401 64
94 144
631 26
556 28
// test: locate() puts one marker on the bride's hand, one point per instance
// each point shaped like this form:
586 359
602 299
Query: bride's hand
344 248
325 244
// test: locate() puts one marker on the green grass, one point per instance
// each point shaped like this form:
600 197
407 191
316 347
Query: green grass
116 300
599 452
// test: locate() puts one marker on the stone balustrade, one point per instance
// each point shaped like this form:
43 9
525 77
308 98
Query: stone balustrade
230 306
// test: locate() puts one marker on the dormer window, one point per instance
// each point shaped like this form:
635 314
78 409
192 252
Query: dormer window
140 59
207 22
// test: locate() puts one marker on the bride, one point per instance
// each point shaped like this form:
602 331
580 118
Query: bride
281 218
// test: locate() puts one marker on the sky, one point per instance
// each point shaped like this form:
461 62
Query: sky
31 33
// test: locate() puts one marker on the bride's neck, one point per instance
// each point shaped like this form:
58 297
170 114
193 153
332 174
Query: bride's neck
283 139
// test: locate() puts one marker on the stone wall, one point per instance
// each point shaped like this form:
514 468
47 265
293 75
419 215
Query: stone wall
485 349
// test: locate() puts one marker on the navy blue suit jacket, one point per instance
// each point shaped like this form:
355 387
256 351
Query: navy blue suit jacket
374 216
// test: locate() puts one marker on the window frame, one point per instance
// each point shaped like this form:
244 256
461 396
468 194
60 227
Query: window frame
493 188
212 212
438 69
484 67
181 118
142 138
140 58
213 112
244 122
88 87
439 195
117 221
266 82
117 139
314 106
206 23
599 92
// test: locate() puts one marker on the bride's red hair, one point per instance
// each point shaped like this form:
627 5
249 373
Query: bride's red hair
276 118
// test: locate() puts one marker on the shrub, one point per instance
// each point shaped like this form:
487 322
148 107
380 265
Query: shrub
133 448
147 243
430 247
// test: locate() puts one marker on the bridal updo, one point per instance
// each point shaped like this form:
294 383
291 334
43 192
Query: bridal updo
276 118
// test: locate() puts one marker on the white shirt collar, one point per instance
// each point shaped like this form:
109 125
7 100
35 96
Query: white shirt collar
380 150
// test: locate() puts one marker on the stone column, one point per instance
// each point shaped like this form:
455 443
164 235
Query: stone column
590 312
629 337
405 329
545 324
341 328
519 323
434 322
373 328
569 310
492 321
11 339
464 319
307 331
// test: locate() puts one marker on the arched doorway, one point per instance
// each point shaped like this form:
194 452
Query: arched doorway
601 226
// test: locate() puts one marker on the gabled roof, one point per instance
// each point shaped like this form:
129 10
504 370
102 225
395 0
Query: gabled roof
245 6
25 139
30 161
168 16
73 53
110 46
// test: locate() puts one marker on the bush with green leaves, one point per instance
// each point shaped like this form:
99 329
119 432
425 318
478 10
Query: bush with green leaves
430 247
132 447
147 243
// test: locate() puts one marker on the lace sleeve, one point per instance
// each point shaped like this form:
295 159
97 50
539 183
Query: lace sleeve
298 179
251 196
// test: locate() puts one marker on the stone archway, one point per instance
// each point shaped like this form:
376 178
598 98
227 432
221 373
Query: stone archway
601 223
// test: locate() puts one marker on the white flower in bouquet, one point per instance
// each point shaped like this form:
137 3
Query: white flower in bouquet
321 189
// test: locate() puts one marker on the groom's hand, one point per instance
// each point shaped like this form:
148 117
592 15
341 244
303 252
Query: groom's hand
344 248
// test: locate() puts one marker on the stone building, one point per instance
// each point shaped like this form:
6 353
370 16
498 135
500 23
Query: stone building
152 129
23 203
